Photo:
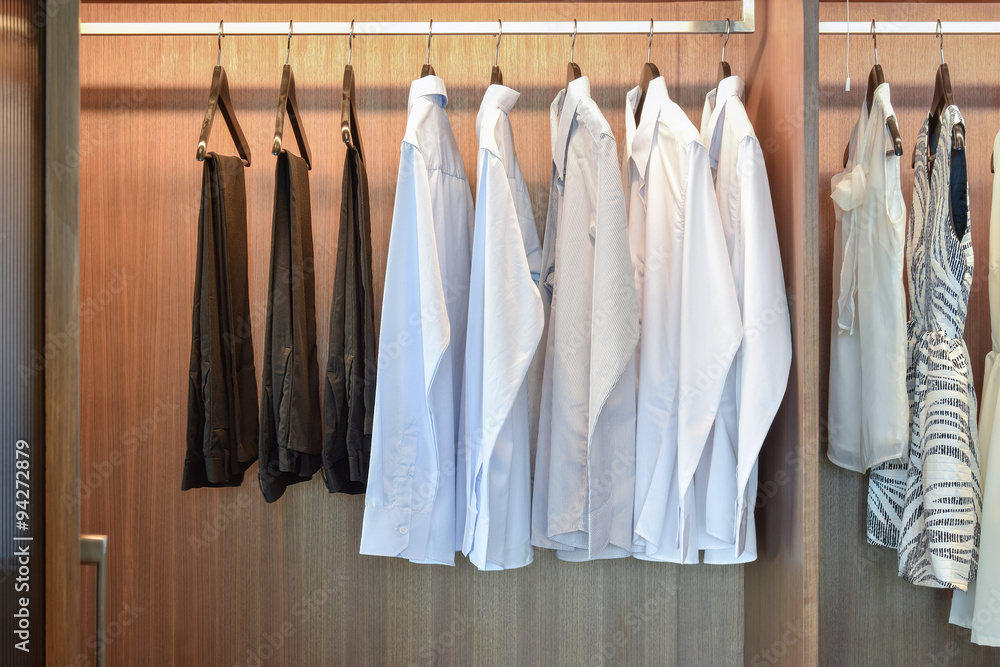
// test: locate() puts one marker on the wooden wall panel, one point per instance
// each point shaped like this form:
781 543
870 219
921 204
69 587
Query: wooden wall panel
780 589
217 577
868 615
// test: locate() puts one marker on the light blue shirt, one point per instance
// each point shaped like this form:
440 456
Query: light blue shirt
414 471
505 325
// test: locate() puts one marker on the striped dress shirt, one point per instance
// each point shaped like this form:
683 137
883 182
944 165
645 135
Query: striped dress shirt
585 458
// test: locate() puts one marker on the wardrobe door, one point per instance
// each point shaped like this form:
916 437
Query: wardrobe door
39 536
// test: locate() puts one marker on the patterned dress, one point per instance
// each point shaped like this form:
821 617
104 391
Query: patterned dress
929 506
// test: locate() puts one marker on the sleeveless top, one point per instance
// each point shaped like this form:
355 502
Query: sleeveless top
929 506
869 412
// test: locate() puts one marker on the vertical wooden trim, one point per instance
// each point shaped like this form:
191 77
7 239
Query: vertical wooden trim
62 307
780 600
809 341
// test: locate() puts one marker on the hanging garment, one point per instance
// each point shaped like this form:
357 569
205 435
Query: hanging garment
979 608
689 318
416 478
349 400
222 391
505 325
291 431
938 490
585 458
726 479
869 414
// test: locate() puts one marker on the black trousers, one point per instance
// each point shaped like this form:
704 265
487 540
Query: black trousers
222 390
349 399
291 435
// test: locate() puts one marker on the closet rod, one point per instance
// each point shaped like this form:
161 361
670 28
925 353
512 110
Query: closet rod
564 28
863 28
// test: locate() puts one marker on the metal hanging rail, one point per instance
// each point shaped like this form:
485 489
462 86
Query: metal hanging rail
862 28
745 25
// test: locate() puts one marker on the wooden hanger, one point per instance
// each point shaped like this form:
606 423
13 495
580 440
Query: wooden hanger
218 98
725 71
428 69
288 102
648 73
496 76
572 69
347 102
943 99
876 79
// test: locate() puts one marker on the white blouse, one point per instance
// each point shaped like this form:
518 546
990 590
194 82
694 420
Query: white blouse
869 412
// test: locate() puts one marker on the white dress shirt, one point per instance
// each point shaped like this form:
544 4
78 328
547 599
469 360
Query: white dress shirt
584 464
411 498
869 413
505 325
690 318
726 479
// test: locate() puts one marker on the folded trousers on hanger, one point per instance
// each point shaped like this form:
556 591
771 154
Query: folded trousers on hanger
222 390
349 400
291 431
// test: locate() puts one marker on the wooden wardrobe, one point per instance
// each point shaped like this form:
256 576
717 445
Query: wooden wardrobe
215 577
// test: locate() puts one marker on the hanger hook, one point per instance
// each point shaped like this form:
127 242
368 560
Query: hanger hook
649 47
939 33
726 43
288 48
874 41
218 60
350 42
430 32
572 48
496 54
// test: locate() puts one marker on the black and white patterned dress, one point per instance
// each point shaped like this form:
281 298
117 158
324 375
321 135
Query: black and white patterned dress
929 507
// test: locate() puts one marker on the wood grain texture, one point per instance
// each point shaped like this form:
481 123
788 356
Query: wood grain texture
217 577
780 600
62 321
868 614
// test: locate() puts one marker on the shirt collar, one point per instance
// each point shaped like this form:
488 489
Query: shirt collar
428 86
729 88
576 91
498 99
639 138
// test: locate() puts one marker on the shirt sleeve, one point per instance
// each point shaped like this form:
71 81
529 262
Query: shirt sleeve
411 344
766 353
710 327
